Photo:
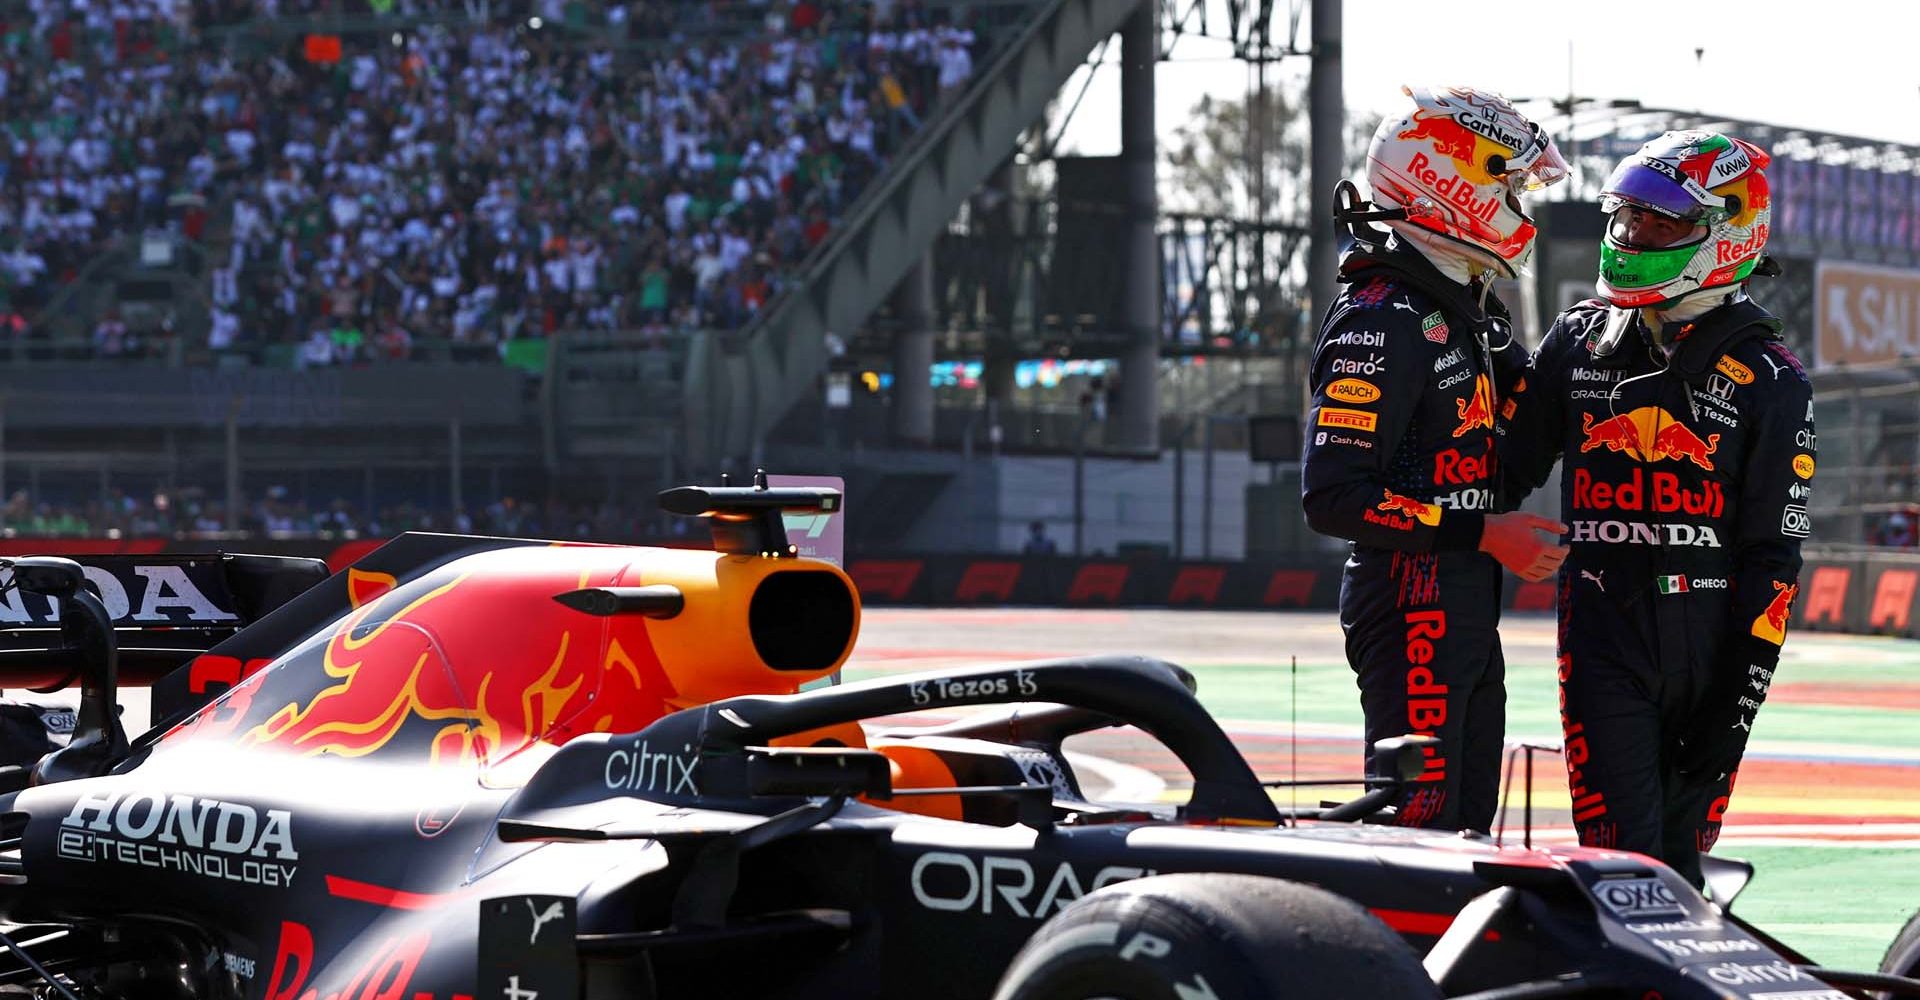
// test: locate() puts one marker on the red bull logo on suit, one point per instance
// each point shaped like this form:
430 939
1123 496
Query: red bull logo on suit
1650 434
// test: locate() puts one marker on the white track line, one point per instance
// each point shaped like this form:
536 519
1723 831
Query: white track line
1124 782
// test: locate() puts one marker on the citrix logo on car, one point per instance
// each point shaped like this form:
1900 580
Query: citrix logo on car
641 769
205 837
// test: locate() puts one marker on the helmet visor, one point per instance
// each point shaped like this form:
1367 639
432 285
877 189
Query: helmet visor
1639 228
1538 165
1641 182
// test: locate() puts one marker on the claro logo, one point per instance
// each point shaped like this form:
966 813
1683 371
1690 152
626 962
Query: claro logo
957 883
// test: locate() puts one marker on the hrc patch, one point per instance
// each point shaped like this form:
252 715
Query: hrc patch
1435 327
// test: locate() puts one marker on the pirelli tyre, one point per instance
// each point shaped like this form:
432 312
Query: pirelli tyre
1903 956
1211 935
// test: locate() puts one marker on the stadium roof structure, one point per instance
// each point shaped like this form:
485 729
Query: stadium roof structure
1836 197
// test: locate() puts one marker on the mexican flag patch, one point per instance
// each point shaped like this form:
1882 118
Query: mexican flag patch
1435 327
1672 584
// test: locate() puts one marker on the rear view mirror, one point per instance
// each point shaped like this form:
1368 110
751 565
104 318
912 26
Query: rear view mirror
86 628
1407 755
818 771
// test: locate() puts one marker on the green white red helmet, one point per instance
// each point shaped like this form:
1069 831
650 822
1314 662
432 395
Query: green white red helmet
1456 163
1713 182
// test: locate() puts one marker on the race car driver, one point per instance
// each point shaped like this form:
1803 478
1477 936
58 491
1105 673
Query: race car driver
1687 432
1400 456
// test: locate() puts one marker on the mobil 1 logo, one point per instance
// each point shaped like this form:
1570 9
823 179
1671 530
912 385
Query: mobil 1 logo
528 949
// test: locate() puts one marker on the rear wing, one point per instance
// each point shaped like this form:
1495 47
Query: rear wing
166 610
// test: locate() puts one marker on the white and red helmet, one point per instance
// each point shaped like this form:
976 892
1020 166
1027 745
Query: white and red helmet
1456 163
1708 195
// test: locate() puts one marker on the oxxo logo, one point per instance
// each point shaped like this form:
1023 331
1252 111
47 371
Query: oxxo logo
1633 898
1794 521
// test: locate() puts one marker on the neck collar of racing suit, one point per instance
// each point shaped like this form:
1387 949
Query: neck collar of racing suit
1696 346
1415 268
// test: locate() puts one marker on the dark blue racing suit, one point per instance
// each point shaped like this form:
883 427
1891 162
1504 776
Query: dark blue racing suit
1685 482
1400 461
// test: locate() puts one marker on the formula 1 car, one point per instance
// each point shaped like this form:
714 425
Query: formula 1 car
496 769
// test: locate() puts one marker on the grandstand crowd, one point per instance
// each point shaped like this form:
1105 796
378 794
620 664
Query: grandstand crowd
482 173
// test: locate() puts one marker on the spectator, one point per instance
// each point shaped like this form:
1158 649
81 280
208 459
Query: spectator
405 178
1038 544
1897 530
318 351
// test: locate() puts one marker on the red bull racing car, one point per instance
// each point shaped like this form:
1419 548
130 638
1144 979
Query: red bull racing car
497 769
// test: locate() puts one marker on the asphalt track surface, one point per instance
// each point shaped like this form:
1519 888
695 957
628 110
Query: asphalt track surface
1827 806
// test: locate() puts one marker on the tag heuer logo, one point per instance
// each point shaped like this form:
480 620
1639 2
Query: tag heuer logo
1435 327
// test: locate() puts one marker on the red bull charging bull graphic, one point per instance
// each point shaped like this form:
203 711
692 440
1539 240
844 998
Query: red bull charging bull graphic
469 664
1649 434
1475 411
1425 513
1771 625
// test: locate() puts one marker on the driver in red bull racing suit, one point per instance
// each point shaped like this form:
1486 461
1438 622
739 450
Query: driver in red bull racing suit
1400 457
1687 432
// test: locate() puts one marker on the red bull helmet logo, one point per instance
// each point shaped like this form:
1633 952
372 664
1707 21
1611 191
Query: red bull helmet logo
1649 434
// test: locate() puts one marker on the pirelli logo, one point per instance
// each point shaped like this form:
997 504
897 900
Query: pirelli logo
1333 416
